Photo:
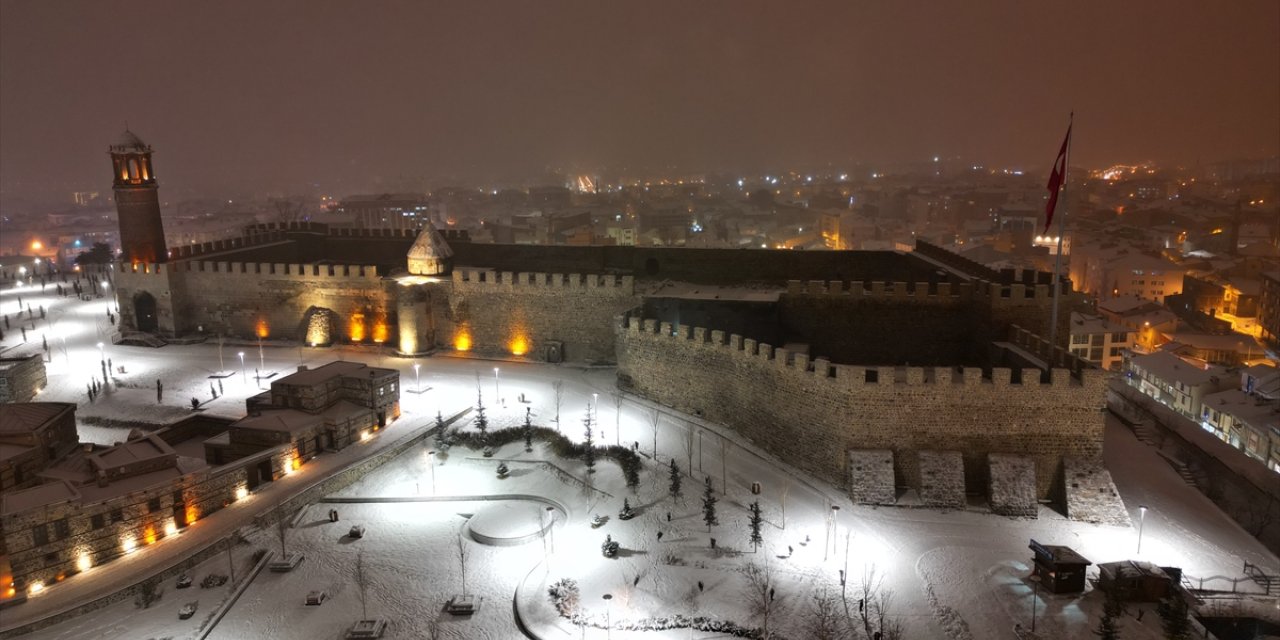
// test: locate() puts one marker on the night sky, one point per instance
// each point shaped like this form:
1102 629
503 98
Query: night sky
358 95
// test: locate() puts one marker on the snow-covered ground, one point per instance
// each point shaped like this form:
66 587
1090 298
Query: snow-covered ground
954 574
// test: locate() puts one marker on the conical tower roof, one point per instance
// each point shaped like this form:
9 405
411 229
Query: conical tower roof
429 254
129 141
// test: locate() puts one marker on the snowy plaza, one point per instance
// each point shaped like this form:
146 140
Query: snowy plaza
943 574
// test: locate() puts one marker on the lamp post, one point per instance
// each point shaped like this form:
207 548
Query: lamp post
417 379
831 523
1035 595
1142 521
497 395
551 511
835 527
608 615
243 378
262 362
431 462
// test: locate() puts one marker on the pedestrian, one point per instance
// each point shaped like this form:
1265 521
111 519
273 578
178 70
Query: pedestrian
790 551
668 516
659 536
713 543
220 386
699 586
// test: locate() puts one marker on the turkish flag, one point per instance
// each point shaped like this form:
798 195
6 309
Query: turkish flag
1056 178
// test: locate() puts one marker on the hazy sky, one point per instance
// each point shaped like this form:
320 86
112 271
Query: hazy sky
276 95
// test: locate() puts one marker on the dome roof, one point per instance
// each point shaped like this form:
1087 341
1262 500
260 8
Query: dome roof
129 141
429 253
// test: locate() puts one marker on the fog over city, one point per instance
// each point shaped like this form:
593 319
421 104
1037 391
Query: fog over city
357 97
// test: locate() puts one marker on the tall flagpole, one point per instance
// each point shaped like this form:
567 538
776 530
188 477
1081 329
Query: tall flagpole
1057 263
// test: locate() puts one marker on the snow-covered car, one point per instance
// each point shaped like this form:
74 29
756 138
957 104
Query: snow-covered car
188 609
356 532
316 598
184 581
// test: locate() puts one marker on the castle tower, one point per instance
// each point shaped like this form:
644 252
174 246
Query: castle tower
137 201
430 254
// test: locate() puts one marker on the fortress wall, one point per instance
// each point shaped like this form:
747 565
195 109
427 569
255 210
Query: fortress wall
497 312
241 298
811 413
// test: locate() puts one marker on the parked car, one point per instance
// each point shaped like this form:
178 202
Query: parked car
316 598
184 581
188 609
356 532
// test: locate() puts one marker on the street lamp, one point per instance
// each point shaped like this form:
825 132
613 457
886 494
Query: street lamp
551 512
102 352
608 615
243 378
497 397
417 379
1035 596
431 461
1142 521
831 524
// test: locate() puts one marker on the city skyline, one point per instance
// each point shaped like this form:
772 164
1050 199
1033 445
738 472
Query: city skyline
288 96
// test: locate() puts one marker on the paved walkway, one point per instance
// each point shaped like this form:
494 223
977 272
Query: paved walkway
128 570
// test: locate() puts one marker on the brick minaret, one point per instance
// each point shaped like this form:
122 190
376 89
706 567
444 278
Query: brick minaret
137 201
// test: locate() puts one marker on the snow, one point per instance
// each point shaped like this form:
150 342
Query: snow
954 574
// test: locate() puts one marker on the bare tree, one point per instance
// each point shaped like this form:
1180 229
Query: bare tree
724 470
824 619
288 209
654 417
362 582
557 392
874 602
759 594
462 559
782 499
688 447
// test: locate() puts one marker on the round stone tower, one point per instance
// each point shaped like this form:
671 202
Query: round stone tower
430 254
137 201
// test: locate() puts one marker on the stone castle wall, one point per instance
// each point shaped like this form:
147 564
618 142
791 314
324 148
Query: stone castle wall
244 299
812 413
504 312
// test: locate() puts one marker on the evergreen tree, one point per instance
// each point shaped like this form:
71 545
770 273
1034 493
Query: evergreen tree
1112 609
674 488
440 421
528 430
755 521
589 446
1173 618
709 501
481 422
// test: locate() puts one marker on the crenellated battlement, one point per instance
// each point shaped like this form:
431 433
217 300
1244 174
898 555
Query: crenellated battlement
188 251
993 293
471 278
1056 357
1070 375
362 273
